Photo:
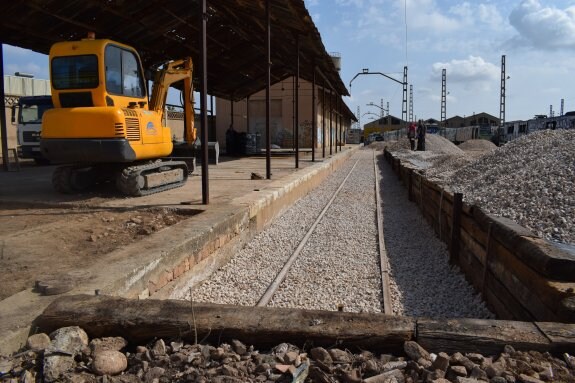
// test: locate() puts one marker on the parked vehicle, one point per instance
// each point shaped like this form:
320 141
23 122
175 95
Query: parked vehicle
28 115
372 137
103 126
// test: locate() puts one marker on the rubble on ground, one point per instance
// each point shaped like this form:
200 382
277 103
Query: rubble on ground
71 357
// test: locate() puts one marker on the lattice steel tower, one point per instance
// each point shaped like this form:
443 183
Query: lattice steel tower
404 103
443 97
411 103
502 97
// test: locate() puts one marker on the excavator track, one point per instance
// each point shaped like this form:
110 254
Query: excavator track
150 178
70 179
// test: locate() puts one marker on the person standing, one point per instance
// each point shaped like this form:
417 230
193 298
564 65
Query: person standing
411 130
421 131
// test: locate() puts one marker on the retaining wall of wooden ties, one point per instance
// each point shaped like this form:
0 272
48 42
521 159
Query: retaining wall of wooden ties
521 277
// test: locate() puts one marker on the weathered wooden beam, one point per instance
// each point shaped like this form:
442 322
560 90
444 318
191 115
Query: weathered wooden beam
487 337
142 320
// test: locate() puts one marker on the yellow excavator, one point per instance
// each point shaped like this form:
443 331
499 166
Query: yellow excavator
103 126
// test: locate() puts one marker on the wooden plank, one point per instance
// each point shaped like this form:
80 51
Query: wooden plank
530 288
496 305
473 229
510 307
552 260
469 265
562 336
487 337
142 320
475 248
488 253
455 245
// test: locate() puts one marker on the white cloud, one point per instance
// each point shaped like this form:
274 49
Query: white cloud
471 71
425 15
546 28
472 14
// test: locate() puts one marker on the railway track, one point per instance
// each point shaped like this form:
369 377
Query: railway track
317 255
276 284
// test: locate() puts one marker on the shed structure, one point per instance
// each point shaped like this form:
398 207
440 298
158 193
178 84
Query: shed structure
236 41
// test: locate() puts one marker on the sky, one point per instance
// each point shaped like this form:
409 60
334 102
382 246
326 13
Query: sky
467 38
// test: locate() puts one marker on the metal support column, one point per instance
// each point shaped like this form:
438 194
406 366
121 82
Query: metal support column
203 103
248 116
232 111
313 118
336 122
188 108
443 97
323 105
3 128
297 106
340 125
330 124
293 112
268 86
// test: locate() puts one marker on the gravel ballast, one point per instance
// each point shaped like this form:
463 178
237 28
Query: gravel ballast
339 266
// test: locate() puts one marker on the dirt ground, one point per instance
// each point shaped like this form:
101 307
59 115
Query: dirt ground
43 243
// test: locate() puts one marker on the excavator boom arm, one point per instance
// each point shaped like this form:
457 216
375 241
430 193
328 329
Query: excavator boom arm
171 73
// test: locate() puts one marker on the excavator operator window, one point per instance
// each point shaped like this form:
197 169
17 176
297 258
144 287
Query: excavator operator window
75 72
123 74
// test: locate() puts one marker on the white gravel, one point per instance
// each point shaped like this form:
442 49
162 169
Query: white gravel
340 263
423 282
530 180
245 278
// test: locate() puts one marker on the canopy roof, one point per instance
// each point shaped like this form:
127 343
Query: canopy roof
161 30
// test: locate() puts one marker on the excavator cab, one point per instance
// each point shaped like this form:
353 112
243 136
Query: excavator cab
103 122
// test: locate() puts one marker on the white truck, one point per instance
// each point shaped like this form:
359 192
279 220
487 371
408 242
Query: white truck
28 114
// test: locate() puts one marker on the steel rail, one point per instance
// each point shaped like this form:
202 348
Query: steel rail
383 260
273 287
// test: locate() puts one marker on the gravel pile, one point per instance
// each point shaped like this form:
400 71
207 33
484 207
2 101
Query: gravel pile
68 356
477 145
434 144
530 180
339 266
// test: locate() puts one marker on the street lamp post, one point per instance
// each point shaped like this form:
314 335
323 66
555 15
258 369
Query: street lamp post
383 110
365 71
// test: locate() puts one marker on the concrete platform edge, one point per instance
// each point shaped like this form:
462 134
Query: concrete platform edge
146 268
